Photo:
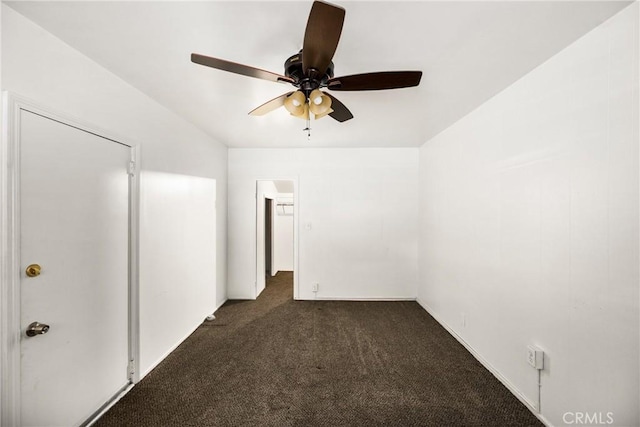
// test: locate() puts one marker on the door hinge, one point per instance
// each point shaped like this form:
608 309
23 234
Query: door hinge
132 168
130 369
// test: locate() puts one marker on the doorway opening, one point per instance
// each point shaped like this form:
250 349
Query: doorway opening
276 235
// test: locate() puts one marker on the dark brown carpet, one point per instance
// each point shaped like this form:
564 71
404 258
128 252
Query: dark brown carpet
279 362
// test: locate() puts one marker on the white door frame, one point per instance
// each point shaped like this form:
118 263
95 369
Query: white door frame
10 266
296 268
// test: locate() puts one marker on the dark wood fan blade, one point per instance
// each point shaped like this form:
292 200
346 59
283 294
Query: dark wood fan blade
376 81
269 106
236 68
321 36
340 112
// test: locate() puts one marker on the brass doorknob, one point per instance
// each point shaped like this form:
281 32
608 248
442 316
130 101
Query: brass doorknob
37 328
33 270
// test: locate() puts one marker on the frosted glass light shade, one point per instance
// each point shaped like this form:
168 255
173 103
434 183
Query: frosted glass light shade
319 103
295 103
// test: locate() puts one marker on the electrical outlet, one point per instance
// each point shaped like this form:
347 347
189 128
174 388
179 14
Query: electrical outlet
314 287
535 357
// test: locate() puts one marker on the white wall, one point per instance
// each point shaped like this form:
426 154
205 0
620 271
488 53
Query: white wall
283 236
41 67
2 367
357 212
529 227
177 259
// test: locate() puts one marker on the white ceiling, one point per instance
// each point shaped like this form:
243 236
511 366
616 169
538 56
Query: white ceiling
468 51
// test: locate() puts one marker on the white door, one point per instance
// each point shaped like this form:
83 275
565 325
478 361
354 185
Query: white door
74 224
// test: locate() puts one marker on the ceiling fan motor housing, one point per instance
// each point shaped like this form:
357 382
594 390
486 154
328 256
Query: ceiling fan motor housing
293 69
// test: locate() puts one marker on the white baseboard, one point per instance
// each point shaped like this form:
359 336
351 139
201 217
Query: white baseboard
357 299
244 297
167 353
496 373
144 374
220 305
164 356
108 406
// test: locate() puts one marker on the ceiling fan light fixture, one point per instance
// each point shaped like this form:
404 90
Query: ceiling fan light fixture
319 103
321 115
314 69
295 103
303 112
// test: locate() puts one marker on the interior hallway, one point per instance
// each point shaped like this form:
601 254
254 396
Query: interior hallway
279 362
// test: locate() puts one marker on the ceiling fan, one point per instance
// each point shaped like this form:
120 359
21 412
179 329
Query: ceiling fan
311 69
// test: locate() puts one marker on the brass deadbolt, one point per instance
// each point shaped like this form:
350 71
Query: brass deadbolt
33 270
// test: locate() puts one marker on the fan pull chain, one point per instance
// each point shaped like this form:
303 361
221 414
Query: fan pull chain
308 129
